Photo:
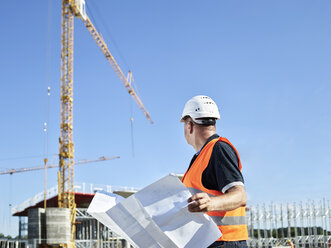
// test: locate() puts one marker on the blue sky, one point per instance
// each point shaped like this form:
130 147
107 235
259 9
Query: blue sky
265 63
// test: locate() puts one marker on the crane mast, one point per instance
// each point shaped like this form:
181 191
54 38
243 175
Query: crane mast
70 9
66 196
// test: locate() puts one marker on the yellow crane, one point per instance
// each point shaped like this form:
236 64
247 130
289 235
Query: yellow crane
49 166
70 9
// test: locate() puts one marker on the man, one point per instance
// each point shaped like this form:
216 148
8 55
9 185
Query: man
214 175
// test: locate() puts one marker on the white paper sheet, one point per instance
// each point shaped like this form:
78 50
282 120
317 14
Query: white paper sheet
156 217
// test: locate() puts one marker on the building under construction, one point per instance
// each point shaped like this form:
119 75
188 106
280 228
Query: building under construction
51 226
303 224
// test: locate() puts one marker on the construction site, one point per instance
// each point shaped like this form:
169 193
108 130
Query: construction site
303 224
57 216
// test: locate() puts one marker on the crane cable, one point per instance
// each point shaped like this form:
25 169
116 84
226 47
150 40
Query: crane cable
131 122
110 36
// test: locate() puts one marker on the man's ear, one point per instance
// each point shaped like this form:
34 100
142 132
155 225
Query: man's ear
190 127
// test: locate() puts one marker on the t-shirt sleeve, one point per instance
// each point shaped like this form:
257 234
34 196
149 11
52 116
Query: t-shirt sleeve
222 171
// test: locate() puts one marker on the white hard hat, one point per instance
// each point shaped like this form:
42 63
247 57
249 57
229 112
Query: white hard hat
201 107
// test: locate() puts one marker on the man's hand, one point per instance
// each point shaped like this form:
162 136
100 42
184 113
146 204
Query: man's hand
200 202
233 198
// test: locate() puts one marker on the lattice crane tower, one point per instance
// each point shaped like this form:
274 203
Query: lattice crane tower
71 8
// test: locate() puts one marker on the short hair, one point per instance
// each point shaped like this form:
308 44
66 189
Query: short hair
201 122
205 121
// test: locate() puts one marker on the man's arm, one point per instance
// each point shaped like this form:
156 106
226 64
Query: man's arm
234 197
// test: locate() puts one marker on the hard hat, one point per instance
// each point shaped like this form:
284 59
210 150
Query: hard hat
200 108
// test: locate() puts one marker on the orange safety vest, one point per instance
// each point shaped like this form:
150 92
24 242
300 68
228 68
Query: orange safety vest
231 223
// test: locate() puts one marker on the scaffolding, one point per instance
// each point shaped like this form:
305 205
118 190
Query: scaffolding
90 233
305 224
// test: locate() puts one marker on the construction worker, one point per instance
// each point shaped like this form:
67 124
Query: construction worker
290 243
214 174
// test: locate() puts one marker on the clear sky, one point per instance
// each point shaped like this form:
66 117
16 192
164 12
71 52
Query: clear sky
265 63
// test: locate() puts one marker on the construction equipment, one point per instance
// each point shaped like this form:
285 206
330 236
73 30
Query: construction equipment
71 8
84 161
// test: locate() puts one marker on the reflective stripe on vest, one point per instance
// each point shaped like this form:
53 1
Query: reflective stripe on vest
222 220
229 220
231 223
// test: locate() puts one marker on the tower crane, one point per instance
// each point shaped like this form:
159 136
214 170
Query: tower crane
71 9
84 161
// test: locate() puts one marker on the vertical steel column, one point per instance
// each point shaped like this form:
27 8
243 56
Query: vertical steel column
258 226
282 221
302 214
19 227
288 221
295 215
324 226
98 234
309 225
265 234
276 222
252 223
272 217
314 223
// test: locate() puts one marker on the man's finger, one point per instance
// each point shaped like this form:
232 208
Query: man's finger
198 205
197 208
197 196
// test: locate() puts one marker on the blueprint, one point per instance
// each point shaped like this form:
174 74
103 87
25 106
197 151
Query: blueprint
155 217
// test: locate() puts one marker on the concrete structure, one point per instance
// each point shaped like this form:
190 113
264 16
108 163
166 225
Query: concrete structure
36 225
58 228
